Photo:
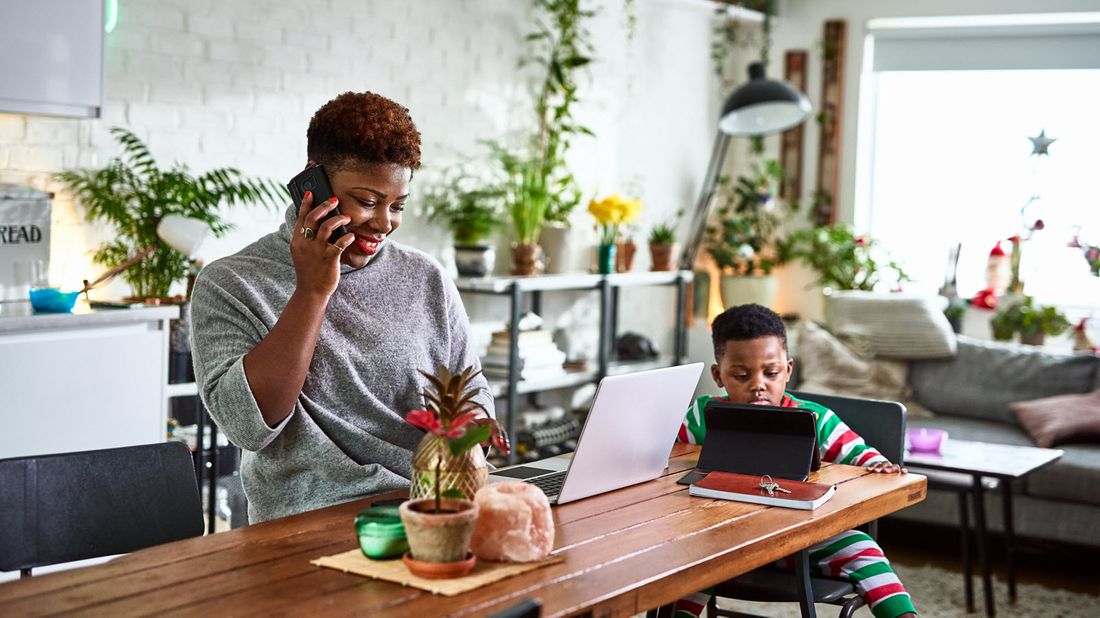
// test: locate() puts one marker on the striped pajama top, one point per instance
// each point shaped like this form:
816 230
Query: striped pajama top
837 442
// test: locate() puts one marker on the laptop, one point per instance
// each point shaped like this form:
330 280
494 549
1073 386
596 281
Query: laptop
757 440
625 440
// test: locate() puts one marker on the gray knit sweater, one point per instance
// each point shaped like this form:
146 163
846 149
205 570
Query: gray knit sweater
346 437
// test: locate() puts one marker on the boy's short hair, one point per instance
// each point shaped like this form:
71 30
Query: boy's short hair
745 322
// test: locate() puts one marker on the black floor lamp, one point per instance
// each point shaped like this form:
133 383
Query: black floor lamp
761 106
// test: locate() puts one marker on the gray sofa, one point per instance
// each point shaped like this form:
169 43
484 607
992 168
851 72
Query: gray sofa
969 395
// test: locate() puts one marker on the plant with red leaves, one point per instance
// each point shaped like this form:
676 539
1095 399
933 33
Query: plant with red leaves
452 414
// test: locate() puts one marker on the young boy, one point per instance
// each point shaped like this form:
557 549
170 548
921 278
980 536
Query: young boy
751 363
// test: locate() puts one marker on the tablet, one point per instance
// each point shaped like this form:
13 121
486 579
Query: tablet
757 440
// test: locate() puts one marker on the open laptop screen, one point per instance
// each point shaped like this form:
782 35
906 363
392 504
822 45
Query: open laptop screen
626 437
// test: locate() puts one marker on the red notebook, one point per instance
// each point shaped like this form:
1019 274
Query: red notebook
745 488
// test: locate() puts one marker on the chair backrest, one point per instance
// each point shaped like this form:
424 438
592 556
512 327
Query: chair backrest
880 423
73 506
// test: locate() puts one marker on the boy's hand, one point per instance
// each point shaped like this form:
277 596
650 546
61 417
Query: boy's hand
886 467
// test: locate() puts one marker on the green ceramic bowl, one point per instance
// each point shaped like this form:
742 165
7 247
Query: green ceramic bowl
381 533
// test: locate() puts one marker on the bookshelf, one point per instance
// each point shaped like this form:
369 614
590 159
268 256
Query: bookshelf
521 292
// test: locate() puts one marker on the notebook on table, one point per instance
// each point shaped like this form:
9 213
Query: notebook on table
756 440
626 438
745 488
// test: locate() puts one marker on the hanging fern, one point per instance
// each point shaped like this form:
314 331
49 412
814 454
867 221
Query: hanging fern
133 194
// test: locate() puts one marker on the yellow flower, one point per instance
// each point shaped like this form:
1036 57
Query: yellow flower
612 211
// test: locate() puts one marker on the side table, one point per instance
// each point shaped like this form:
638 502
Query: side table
989 466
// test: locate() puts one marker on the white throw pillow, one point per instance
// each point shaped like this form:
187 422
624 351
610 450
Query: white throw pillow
892 325
829 367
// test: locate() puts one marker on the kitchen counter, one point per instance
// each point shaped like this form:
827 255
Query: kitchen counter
90 379
20 316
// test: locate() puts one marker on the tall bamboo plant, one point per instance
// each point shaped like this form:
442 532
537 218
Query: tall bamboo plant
540 187
133 194
566 46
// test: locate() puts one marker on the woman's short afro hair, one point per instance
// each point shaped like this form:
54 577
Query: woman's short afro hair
744 323
362 127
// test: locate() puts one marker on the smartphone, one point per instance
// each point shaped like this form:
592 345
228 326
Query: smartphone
313 179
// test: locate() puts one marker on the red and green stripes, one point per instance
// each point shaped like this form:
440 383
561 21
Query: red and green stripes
857 557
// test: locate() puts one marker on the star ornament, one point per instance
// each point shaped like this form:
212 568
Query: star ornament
1040 144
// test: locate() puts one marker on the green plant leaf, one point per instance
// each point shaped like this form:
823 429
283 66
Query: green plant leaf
475 435
452 493
132 194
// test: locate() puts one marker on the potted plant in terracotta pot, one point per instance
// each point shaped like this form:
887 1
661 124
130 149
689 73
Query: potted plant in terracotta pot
662 244
1034 323
470 205
449 466
526 197
541 188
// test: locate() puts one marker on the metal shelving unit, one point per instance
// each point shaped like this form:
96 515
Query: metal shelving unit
521 289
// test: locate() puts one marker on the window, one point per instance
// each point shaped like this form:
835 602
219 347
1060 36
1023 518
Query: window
946 157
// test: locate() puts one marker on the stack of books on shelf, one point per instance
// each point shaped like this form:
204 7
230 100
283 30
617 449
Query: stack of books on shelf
539 357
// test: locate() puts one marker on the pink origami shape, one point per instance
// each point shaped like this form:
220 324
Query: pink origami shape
513 523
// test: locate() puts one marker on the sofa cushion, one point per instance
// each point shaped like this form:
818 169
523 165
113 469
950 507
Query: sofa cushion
1073 478
828 366
896 325
1062 419
985 376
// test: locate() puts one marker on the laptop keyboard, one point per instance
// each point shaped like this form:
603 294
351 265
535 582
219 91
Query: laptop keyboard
550 484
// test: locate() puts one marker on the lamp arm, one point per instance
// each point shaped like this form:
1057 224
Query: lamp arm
702 207
117 269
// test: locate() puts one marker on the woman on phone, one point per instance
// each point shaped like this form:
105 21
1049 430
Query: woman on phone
306 351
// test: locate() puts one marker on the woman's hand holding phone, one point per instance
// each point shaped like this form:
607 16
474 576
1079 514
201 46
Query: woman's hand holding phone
316 261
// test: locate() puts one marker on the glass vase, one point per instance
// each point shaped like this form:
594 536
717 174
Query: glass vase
467 472
605 262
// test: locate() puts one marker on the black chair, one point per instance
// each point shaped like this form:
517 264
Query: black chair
882 425
89 504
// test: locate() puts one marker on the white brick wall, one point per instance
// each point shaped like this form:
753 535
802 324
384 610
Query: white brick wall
234 82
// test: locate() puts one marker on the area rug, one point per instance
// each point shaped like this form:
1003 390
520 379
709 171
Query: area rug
938 593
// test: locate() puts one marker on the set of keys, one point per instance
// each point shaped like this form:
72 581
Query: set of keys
769 486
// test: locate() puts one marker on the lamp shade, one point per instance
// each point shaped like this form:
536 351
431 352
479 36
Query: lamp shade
183 234
763 106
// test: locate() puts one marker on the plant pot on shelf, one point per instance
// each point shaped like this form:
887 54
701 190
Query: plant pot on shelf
527 259
624 256
554 240
744 289
660 257
1032 338
465 473
475 260
605 258
439 538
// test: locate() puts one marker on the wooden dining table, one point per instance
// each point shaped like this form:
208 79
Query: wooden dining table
622 552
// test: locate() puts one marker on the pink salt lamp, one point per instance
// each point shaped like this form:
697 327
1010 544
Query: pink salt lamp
926 440
513 523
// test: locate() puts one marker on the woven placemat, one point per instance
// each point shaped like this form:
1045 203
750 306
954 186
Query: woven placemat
485 572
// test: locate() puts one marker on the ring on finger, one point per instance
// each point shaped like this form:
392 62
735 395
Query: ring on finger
307 232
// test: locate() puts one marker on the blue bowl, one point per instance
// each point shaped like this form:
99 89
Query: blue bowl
53 300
